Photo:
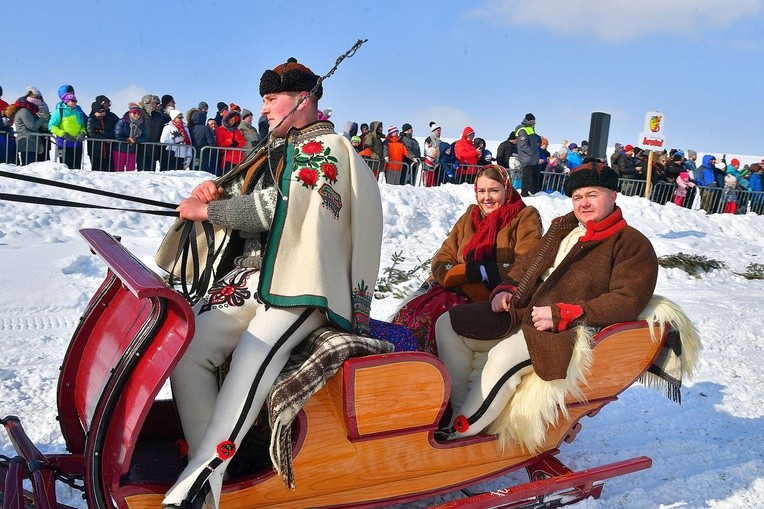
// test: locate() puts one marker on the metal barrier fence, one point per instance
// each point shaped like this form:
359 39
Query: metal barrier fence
713 200
27 148
219 160
116 155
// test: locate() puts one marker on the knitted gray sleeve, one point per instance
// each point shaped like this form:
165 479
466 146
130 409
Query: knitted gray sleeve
249 213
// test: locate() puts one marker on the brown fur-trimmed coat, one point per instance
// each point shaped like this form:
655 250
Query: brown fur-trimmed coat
519 238
610 274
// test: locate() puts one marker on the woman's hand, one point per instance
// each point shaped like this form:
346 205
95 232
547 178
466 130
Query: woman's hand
542 317
500 302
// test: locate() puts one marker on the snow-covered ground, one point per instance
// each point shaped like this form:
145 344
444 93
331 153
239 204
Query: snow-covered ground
706 452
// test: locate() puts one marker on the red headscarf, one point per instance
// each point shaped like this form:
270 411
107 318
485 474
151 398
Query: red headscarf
487 227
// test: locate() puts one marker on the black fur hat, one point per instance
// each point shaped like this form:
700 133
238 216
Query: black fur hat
290 76
591 175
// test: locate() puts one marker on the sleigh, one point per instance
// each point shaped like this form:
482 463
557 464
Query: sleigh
366 439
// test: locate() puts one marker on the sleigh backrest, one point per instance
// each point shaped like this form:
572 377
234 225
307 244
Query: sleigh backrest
129 339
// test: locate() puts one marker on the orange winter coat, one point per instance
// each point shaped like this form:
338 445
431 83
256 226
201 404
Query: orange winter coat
396 152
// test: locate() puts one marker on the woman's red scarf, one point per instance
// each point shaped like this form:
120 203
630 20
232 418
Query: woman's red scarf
487 227
177 122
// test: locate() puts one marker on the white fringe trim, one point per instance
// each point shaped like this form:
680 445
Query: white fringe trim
537 404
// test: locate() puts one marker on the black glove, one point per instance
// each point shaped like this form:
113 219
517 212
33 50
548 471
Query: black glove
474 275
494 277
69 137
234 143
483 272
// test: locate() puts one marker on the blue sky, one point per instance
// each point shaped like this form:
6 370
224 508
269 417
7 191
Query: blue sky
483 64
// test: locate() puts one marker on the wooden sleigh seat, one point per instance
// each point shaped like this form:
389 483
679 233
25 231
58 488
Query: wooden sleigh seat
364 440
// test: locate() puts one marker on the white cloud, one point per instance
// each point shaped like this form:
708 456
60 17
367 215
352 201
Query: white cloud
618 20
452 120
120 99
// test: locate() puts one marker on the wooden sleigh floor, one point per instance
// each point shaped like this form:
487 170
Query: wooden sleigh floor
363 440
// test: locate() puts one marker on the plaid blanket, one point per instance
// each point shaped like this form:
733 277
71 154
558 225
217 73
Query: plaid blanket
311 364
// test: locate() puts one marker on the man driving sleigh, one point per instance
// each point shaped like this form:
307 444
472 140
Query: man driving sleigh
305 221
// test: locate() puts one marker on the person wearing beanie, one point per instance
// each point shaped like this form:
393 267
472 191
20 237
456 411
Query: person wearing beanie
229 137
590 269
251 136
175 134
683 185
396 172
131 131
101 125
356 142
528 145
203 106
413 150
674 167
27 120
68 124
574 156
506 149
432 173
222 111
324 211
168 103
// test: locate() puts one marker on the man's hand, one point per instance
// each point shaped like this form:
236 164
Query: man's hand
207 191
542 318
193 209
500 302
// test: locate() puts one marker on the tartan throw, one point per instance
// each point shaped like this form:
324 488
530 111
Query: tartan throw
312 363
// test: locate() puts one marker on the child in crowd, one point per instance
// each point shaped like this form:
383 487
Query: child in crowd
730 194
682 183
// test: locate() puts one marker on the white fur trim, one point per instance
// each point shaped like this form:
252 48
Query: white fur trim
538 404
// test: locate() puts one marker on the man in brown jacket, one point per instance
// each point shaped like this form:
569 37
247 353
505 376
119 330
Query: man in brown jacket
591 268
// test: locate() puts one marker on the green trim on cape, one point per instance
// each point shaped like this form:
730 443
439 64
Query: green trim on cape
272 250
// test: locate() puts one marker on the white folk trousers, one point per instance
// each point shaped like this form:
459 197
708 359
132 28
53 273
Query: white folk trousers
482 402
230 321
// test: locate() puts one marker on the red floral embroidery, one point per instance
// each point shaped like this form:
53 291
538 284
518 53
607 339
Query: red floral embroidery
229 292
330 172
312 147
308 177
312 162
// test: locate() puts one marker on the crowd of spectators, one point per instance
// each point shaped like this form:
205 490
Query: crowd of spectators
154 134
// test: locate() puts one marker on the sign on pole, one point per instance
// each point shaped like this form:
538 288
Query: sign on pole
651 138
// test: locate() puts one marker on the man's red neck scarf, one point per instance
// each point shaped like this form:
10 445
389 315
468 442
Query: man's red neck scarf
487 227
605 228
177 122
